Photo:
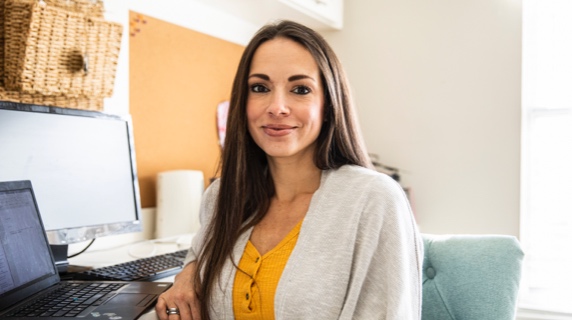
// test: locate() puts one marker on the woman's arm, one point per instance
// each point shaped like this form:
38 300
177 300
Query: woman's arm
389 250
181 295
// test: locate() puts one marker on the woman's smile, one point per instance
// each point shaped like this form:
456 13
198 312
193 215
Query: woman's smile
278 130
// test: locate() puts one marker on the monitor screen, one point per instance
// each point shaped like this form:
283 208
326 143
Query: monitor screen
81 165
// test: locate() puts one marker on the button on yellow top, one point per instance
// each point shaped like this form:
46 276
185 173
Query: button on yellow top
257 278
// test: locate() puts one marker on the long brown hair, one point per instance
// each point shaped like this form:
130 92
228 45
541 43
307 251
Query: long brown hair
246 186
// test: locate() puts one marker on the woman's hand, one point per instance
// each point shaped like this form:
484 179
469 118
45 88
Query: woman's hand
180 298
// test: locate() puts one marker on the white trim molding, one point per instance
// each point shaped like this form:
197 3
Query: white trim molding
533 314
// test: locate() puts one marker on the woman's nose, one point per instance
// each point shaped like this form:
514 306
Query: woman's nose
278 105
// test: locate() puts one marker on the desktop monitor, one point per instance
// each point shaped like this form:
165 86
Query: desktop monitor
82 167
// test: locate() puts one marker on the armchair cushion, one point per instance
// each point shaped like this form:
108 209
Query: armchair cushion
470 277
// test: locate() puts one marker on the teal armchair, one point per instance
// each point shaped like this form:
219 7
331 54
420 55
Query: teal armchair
470 277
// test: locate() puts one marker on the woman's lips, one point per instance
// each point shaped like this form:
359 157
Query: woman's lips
278 130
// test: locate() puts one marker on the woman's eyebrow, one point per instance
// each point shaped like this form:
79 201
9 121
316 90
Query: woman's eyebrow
300 77
259 75
291 78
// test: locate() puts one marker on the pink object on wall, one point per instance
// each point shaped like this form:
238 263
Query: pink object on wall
221 116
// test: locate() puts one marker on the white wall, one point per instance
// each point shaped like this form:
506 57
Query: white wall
118 103
437 84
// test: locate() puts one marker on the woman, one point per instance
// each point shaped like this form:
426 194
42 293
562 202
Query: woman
298 226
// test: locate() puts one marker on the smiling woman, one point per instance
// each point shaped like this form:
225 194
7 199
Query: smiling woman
299 225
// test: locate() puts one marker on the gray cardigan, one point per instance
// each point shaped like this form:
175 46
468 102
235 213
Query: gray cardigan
358 255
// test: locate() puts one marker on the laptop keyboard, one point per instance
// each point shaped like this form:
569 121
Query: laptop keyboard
68 300
145 269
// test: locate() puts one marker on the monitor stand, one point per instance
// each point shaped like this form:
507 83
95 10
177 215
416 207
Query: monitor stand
60 253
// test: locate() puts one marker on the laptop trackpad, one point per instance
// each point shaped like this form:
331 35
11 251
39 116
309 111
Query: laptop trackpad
121 306
128 299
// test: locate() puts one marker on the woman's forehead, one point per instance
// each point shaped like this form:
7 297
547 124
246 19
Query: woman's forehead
282 54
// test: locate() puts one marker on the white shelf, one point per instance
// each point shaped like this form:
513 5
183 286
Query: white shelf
316 14
327 12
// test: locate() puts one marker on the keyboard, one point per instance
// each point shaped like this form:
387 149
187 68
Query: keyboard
145 269
68 300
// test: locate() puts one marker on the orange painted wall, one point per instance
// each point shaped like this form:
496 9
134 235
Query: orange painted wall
177 78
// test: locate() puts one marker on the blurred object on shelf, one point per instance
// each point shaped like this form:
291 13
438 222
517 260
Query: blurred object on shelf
390 171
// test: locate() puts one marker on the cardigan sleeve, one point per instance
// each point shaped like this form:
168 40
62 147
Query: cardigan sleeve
205 214
386 279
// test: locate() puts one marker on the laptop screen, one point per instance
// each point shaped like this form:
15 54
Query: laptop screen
24 251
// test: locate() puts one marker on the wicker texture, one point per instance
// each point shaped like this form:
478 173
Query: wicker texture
47 47
81 102
89 8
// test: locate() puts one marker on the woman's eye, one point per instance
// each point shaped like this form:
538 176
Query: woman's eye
301 90
258 88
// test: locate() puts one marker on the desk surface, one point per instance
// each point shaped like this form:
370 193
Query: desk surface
127 252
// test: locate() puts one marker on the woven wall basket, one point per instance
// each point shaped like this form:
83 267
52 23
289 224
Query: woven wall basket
55 51
81 102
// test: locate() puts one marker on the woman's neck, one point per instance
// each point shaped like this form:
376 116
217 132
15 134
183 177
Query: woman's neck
294 178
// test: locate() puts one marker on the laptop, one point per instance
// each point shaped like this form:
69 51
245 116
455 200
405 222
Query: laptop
29 277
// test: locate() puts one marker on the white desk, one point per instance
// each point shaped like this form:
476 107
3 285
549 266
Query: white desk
127 252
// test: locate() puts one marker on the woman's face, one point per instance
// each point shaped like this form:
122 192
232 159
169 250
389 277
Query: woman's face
285 104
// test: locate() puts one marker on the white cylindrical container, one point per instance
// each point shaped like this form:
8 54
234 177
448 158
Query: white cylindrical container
179 194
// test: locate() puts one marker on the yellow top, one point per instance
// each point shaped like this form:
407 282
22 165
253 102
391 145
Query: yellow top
257 278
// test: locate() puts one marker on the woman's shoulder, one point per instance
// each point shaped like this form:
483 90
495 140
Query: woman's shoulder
353 176
211 192
210 195
355 184
213 187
